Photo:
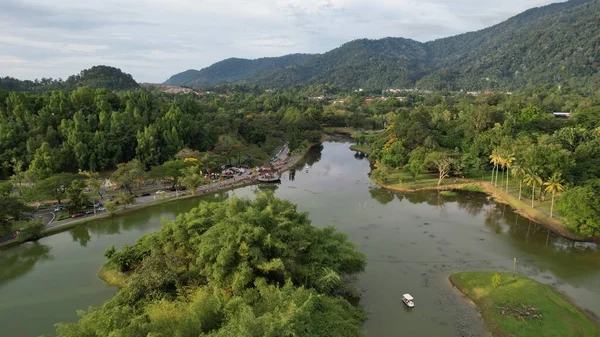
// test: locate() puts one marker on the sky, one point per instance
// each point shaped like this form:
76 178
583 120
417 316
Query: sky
154 39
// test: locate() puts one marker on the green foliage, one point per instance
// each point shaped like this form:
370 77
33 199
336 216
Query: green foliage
5 189
496 280
240 268
31 232
129 175
55 187
96 77
11 210
580 207
77 199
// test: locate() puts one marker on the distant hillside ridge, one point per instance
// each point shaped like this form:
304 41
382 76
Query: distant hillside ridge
96 77
557 44
235 69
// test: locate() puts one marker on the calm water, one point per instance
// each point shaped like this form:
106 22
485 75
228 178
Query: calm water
412 241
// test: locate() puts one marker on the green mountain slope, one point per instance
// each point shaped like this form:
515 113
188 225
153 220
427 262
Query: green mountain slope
234 69
96 77
558 44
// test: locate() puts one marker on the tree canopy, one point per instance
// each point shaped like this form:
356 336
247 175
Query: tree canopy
242 267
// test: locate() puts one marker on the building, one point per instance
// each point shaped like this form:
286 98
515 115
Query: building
564 115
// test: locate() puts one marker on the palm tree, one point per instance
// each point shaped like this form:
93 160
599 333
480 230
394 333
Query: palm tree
494 159
508 162
518 172
554 185
502 164
530 179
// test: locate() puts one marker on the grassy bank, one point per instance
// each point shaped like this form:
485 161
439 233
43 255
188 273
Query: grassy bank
523 307
361 148
110 275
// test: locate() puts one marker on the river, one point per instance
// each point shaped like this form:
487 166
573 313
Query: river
412 241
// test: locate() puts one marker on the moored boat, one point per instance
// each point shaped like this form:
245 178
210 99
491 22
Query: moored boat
408 300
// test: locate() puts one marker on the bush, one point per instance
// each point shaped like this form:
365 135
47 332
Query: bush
32 233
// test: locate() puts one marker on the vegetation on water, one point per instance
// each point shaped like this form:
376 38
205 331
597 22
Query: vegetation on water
557 44
448 193
547 162
243 268
518 306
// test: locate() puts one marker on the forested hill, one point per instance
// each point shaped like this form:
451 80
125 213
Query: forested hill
558 44
234 69
97 77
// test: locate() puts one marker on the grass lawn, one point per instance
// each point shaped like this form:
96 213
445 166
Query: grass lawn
560 318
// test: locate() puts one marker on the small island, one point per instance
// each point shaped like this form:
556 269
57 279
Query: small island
519 306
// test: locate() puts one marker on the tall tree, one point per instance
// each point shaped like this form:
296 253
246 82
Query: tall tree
532 178
55 186
518 173
442 163
553 185
129 175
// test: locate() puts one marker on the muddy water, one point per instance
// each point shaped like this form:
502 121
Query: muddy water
413 241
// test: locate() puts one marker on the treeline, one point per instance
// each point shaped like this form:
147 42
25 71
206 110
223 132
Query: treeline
236 268
94 130
96 77
516 137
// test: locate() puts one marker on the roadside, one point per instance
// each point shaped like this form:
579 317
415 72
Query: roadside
286 160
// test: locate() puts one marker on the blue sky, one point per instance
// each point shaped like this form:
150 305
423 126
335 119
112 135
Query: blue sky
154 39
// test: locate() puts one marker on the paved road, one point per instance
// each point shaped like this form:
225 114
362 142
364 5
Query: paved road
282 156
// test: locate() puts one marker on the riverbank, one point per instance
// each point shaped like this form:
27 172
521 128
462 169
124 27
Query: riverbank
400 181
69 224
111 276
555 225
519 306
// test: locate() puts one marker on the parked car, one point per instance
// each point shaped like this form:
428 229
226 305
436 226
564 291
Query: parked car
58 209
160 192
77 215
89 212
145 194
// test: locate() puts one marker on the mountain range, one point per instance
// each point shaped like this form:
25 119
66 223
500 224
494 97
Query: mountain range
555 44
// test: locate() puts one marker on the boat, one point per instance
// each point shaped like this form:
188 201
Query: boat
306 167
268 173
269 178
408 300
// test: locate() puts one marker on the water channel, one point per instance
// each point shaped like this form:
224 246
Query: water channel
413 241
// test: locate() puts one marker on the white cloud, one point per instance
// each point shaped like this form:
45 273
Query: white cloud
153 39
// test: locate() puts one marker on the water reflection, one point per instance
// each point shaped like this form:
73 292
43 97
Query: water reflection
18 261
359 155
382 195
81 235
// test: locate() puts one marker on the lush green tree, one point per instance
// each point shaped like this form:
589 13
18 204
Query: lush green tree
171 170
241 267
192 178
580 208
417 162
55 186
11 210
77 199
129 175
6 189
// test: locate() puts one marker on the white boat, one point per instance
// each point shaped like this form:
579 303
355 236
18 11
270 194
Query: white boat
306 168
408 300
